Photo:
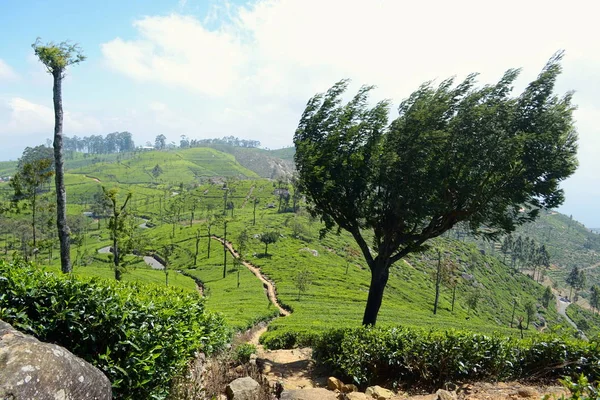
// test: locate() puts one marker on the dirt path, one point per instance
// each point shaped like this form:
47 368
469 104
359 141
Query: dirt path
247 197
269 286
94 179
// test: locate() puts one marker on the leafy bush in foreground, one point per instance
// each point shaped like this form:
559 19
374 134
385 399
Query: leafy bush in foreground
139 335
431 358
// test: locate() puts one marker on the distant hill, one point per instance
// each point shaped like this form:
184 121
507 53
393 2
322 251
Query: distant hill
174 166
263 163
266 163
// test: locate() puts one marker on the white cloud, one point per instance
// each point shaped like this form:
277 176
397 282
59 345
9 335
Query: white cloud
252 68
20 116
6 72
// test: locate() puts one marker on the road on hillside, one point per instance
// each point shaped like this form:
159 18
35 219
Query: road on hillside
562 310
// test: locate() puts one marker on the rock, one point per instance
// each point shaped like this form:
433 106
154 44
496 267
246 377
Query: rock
308 394
445 395
253 358
379 393
356 396
527 392
424 397
243 389
334 383
30 369
349 387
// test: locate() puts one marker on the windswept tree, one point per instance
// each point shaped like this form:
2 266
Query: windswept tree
456 153
56 58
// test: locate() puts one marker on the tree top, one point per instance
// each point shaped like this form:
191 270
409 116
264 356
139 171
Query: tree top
57 57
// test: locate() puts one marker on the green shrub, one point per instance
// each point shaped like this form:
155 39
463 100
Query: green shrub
431 358
243 352
141 336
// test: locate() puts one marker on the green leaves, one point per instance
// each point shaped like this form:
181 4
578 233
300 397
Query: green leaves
429 359
57 57
140 336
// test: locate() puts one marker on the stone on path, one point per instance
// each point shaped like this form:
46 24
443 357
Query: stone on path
243 389
445 395
30 369
334 383
356 396
308 394
379 393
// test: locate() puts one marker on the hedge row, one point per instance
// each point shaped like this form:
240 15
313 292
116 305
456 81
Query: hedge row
140 336
429 359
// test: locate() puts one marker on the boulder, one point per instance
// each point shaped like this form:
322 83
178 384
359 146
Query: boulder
356 396
349 387
379 393
243 389
30 369
308 394
334 383
445 395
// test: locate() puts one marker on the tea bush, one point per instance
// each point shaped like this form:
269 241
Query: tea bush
431 358
140 336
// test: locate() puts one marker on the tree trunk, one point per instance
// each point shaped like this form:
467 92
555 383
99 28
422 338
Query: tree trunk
209 240
33 201
197 248
61 193
453 296
379 277
254 214
437 283
266 248
225 251
116 253
513 314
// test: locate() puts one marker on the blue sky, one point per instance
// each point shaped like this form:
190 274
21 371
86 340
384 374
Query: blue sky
246 68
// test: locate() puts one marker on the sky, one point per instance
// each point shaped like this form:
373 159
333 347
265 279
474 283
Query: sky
213 68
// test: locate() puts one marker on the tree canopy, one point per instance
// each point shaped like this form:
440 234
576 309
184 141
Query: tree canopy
454 153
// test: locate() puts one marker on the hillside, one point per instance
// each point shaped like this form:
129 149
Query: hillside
177 166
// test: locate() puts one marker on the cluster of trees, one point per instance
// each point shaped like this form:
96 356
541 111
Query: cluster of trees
525 253
576 280
186 142
116 142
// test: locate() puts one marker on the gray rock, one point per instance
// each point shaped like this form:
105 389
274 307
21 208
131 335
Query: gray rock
30 369
308 394
243 389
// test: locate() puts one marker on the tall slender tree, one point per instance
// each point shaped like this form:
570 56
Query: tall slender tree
56 58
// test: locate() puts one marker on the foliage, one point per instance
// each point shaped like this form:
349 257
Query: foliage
429 359
268 238
303 280
582 389
244 351
57 57
414 179
140 336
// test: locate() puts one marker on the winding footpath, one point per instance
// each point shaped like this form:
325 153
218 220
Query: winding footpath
268 285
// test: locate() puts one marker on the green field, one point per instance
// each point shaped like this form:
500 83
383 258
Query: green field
181 202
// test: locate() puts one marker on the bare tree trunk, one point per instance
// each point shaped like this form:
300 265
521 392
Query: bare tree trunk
437 283
379 277
61 193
